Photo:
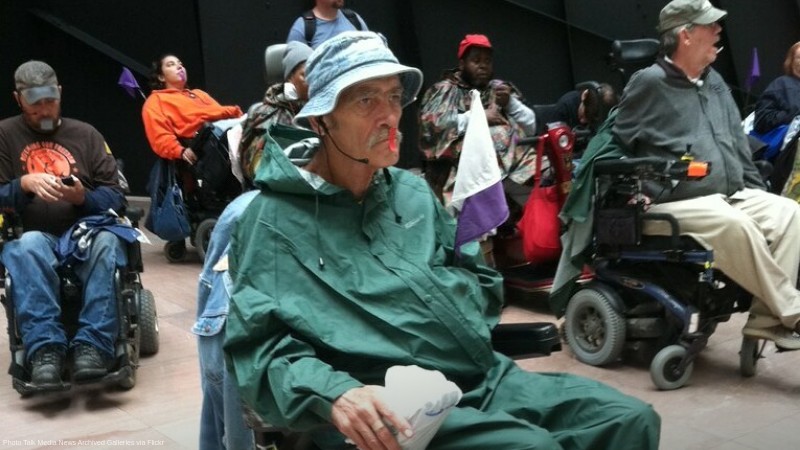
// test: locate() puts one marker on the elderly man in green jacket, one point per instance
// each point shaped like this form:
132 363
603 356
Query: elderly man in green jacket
344 267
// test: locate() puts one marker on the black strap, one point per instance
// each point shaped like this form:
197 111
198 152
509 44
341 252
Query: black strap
352 17
311 25
310 22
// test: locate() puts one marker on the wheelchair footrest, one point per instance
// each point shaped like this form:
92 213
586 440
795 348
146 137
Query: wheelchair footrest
28 388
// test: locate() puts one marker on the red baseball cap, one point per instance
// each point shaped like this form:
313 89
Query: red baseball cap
477 40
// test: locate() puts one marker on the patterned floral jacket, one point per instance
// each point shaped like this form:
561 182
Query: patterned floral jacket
440 137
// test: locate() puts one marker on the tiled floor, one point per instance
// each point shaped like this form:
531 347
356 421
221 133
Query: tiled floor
718 409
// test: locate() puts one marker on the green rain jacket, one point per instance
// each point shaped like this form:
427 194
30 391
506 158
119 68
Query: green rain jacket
330 292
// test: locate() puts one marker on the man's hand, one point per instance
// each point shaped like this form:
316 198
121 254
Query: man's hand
494 116
42 185
502 94
75 194
50 188
362 416
189 156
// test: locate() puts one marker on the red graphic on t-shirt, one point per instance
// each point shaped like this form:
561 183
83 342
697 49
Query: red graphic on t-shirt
47 157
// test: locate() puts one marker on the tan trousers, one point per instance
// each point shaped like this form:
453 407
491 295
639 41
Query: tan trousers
756 241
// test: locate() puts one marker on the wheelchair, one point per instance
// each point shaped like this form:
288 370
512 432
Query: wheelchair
207 188
516 340
656 297
138 324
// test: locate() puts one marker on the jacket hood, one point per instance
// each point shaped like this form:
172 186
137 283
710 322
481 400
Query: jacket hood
286 149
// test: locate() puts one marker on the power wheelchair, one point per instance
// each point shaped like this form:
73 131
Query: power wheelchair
207 187
138 324
657 297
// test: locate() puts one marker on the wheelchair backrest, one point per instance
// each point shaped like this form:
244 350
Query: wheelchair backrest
273 63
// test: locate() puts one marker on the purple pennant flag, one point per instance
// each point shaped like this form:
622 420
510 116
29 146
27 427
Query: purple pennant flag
128 82
755 71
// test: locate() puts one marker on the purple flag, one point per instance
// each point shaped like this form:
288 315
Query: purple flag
755 71
478 192
128 82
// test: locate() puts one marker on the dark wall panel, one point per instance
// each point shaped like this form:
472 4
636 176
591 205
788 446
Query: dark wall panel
543 46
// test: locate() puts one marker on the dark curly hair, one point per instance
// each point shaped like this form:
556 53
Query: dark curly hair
155 72
598 102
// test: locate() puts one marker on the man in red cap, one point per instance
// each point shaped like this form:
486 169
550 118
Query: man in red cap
444 116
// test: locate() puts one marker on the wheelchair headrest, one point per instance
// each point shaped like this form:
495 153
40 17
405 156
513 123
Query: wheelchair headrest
273 63
635 51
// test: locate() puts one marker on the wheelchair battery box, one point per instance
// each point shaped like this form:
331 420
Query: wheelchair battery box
618 226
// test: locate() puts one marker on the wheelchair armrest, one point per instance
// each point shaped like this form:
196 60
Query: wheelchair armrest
634 51
525 340
268 437
134 214
652 167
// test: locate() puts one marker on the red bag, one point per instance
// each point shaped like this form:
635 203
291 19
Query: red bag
540 227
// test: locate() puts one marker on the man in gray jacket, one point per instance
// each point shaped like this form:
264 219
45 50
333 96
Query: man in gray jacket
680 105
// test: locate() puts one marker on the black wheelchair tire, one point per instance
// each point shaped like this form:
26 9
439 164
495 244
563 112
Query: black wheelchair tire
148 324
594 330
175 251
203 236
749 355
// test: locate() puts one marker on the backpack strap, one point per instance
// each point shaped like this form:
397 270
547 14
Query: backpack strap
310 22
352 17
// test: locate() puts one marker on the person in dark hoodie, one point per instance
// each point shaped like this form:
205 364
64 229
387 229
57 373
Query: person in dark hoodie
343 269
681 107
780 101
281 103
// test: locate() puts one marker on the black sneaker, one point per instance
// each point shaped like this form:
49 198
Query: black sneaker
47 366
88 364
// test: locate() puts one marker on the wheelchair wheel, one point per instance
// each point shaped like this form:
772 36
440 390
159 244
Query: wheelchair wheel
148 324
594 330
749 355
202 236
175 251
664 368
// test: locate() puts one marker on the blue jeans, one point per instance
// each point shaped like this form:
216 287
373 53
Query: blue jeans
31 263
221 423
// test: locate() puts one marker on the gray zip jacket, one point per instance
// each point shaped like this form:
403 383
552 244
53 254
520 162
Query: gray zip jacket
663 113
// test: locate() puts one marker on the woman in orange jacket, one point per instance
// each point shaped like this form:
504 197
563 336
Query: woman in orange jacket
173 113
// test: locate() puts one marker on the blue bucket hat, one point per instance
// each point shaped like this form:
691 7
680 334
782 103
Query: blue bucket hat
346 59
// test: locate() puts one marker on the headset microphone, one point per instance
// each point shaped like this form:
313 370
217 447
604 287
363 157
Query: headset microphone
325 128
